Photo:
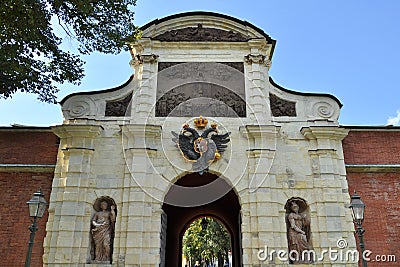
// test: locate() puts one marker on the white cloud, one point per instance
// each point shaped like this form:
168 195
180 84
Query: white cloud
394 120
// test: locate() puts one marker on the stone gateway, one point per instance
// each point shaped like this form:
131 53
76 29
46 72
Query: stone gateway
280 182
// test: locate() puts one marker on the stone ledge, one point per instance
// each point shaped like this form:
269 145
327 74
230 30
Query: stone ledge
27 167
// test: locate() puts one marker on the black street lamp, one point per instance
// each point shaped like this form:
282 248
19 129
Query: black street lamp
37 206
357 211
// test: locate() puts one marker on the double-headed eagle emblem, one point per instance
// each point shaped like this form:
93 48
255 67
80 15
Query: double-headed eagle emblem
201 149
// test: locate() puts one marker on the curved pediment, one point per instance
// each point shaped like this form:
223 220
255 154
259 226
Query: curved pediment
202 63
203 26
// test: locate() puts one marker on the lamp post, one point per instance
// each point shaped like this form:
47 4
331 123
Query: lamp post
357 211
37 206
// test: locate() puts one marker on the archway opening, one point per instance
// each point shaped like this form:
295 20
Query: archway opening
223 206
206 241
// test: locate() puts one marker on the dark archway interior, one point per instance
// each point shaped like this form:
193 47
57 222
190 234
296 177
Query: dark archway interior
226 209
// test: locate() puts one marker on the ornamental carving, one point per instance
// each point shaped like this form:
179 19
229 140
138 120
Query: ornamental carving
211 89
323 109
255 58
200 34
281 107
203 148
79 107
151 58
119 108
208 99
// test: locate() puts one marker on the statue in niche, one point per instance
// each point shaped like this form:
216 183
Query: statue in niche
298 231
102 227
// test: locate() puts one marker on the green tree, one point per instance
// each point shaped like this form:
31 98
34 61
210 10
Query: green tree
31 59
207 244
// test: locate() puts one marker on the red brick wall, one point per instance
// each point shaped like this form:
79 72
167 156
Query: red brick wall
28 147
380 191
23 146
381 195
372 147
17 189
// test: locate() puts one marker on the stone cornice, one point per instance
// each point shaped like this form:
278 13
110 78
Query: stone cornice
372 168
150 58
73 130
27 168
324 132
141 136
263 138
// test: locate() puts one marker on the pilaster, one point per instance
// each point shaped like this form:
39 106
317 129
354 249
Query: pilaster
257 65
331 218
67 238
144 63
141 214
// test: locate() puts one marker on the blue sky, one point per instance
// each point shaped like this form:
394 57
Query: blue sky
348 48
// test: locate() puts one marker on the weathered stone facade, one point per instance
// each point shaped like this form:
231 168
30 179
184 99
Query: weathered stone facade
132 159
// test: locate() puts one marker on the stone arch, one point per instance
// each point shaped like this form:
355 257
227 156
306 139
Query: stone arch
226 208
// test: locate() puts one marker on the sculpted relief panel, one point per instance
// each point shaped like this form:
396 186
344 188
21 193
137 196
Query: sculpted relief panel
201 34
118 108
210 89
281 107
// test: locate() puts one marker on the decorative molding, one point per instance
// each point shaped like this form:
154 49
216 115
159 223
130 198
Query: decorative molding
255 59
141 137
372 168
77 137
324 132
267 63
281 107
119 108
263 138
150 58
200 34
27 168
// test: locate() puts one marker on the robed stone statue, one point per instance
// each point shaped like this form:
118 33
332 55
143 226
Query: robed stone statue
102 230
298 231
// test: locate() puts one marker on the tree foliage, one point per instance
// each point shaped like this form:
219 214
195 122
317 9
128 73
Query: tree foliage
207 244
31 59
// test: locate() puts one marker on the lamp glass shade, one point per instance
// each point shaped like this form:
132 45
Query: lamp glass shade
357 207
37 205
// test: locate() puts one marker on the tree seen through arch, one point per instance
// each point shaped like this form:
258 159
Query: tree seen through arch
206 242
